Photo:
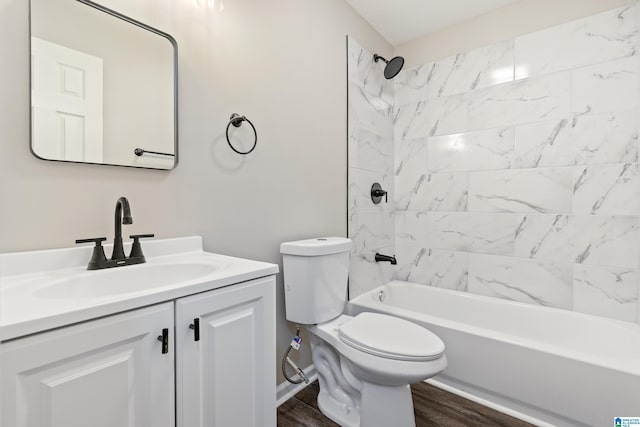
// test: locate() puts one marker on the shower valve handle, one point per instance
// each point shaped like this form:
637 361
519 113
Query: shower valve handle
380 193
377 192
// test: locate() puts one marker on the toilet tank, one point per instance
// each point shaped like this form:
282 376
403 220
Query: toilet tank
316 272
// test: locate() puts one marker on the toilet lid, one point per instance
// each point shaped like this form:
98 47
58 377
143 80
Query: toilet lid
390 337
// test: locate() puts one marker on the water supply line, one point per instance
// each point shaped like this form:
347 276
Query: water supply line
295 343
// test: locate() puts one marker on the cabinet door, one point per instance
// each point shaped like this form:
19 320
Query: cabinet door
108 372
227 377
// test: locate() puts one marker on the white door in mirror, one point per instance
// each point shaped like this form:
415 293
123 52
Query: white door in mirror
67 103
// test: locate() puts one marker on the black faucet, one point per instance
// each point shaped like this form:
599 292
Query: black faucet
99 260
121 218
386 258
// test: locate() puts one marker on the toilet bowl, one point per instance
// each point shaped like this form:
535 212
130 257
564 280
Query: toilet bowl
364 378
365 363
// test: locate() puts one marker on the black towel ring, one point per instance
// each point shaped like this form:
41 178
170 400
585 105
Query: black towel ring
236 120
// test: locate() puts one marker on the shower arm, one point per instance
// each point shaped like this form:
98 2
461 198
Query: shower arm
377 57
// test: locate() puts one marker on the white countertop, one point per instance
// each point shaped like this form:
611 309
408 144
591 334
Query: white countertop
25 309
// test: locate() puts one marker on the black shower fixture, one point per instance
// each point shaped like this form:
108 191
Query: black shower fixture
393 66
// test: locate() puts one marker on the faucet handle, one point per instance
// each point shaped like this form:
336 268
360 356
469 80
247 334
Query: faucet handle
98 258
141 236
136 249
97 240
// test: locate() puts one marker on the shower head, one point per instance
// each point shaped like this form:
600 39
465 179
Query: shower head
393 66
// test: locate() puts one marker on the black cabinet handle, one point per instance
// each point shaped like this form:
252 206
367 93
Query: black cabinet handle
196 329
165 340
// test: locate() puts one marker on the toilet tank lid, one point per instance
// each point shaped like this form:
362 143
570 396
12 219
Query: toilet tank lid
315 247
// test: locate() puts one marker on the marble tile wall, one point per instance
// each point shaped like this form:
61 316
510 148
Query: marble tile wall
370 142
515 168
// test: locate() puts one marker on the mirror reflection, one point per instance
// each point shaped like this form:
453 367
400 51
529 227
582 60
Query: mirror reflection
103 87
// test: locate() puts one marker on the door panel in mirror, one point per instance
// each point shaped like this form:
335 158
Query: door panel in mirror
102 85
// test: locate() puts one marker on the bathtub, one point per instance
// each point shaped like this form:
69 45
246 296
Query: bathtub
543 365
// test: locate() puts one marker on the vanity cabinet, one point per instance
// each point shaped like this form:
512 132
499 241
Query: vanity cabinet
226 357
102 373
114 371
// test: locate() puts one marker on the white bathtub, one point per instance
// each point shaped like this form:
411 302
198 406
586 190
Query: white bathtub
542 364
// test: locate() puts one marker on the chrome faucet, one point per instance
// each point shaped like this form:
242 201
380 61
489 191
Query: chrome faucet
99 260
123 216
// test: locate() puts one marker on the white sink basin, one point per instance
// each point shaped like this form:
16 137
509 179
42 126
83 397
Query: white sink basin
123 280
43 290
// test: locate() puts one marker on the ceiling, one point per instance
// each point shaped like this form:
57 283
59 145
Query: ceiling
402 20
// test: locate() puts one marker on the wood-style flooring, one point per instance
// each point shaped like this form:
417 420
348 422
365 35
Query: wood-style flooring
433 407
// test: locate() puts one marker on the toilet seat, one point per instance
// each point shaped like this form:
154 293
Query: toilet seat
377 369
391 338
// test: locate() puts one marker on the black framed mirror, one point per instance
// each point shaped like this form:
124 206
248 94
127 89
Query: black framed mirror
103 87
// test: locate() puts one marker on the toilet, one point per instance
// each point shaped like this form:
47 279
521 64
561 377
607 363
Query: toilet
366 362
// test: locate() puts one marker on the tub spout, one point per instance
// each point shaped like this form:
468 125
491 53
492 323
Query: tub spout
386 258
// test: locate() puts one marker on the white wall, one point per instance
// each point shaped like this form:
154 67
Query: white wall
516 19
282 63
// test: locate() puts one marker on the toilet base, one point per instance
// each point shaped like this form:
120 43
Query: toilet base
339 397
351 402
337 412
381 406
384 406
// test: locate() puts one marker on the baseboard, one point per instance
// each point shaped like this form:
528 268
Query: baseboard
489 404
286 390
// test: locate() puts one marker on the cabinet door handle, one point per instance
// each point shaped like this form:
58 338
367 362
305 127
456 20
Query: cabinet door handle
196 329
165 340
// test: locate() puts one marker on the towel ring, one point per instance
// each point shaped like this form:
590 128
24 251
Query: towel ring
236 120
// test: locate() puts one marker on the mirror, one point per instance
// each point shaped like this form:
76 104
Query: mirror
103 87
